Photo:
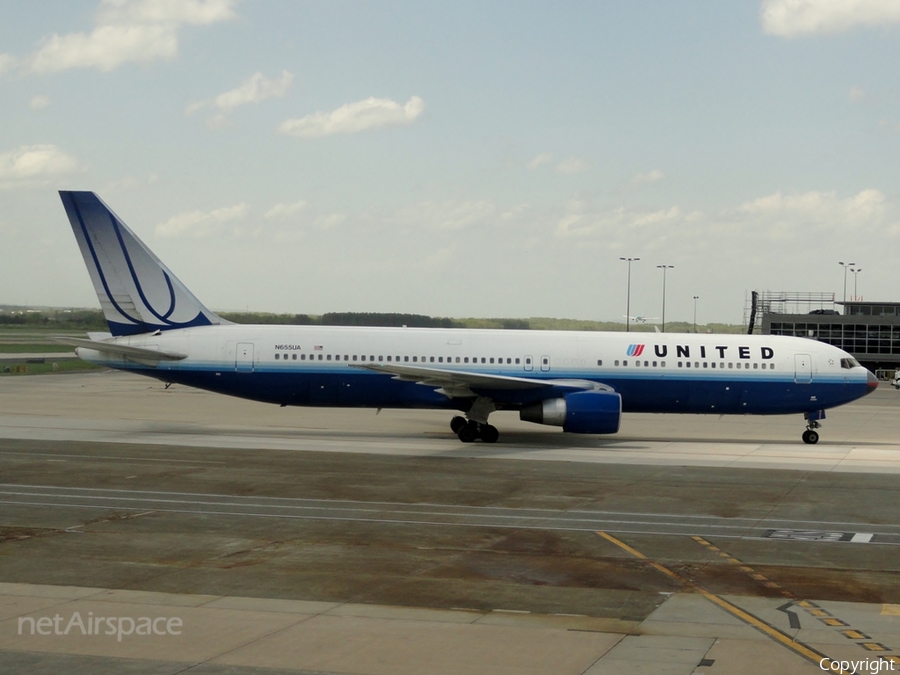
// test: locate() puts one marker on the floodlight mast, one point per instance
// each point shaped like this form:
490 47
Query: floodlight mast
628 294
664 268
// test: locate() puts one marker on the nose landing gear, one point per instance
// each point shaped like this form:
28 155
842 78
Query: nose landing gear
811 436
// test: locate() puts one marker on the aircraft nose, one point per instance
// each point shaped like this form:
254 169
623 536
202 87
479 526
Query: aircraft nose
871 383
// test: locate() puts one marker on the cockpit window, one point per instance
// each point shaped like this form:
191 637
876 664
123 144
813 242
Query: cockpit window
849 363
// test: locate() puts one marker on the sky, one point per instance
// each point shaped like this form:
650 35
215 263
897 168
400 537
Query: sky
464 159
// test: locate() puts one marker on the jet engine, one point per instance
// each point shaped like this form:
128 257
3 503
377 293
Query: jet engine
583 412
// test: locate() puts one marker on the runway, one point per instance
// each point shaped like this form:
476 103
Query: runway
71 500
341 541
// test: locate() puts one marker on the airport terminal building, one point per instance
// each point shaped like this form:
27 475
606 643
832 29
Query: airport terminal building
870 331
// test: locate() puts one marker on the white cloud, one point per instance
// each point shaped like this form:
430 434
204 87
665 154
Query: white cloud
105 48
790 18
254 89
329 220
648 178
448 215
177 12
372 113
857 94
539 160
818 208
7 62
39 103
199 224
31 162
282 211
137 31
573 165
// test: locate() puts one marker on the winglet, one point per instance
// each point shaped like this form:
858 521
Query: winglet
137 292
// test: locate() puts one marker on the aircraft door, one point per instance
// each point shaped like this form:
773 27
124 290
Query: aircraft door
243 357
802 368
545 363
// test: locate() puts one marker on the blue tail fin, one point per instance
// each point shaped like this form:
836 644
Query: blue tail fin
137 292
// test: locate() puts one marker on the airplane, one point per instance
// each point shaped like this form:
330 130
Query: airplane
580 381
640 318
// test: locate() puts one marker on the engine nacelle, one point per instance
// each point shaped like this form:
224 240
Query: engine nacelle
584 412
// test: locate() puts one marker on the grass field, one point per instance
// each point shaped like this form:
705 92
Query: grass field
33 348
74 365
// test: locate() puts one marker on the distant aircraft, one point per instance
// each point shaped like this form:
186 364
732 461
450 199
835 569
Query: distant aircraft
580 381
640 318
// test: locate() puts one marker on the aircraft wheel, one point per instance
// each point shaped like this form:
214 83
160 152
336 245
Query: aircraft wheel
489 433
457 423
811 437
468 432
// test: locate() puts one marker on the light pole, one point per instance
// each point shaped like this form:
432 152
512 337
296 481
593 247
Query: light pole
845 266
628 294
855 280
696 297
664 268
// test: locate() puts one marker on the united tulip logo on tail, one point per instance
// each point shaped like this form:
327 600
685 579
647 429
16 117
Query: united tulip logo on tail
635 350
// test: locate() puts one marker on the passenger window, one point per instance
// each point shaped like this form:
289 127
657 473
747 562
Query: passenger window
637 364
517 361
705 364
405 359
457 359
755 366
647 364
483 359
293 357
492 359
625 362
654 364
466 360
662 364
388 358
415 358
440 359
277 356
617 361
599 362
687 364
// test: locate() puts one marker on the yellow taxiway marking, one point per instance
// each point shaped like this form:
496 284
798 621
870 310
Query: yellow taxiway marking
785 640
809 607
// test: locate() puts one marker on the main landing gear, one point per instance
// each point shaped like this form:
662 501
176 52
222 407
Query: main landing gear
470 430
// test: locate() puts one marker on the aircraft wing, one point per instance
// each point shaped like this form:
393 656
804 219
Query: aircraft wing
460 383
137 353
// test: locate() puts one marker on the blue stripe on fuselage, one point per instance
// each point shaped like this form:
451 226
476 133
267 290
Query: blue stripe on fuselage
675 393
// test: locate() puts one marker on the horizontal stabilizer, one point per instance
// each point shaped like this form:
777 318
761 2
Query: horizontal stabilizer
137 353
